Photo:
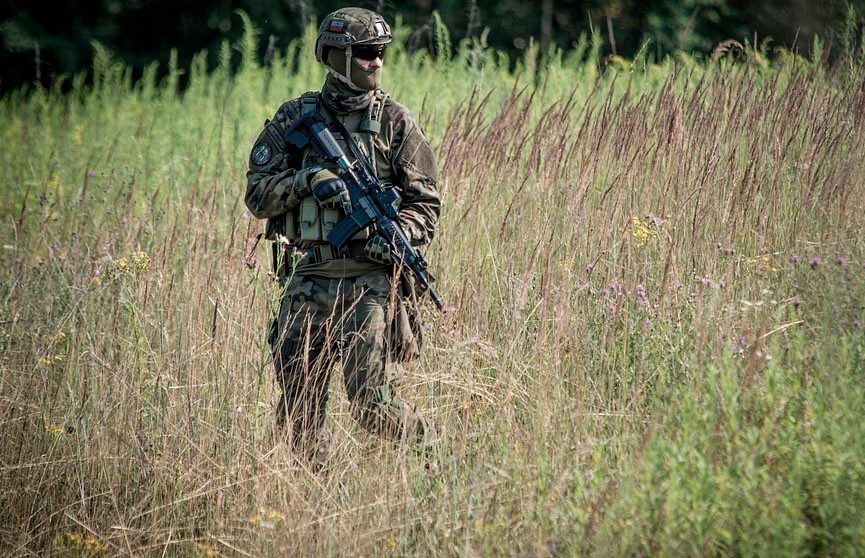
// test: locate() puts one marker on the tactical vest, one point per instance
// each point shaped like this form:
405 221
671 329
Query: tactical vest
309 224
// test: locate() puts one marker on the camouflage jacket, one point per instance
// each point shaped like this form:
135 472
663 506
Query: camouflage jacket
403 159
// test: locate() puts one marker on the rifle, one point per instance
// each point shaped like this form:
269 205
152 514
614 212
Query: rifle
372 203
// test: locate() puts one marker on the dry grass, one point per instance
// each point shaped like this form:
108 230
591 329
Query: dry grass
643 355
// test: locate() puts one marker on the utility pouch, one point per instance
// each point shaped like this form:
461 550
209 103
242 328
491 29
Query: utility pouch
310 225
406 329
290 226
329 219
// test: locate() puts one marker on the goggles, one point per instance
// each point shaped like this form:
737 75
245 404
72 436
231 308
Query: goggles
368 52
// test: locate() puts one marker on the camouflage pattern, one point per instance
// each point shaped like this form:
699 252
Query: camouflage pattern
323 321
342 308
351 26
337 36
403 159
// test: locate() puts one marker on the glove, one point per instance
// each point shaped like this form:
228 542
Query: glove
378 250
301 183
330 191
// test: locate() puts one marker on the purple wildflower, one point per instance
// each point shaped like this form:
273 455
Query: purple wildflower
857 324
841 261
18 261
797 301
794 258
590 267
814 262
643 298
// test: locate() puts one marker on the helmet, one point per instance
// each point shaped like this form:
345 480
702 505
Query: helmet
351 26
341 30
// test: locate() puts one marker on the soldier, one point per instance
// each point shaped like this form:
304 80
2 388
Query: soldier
343 305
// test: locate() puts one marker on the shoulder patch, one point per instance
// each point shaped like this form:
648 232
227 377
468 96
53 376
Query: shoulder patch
261 154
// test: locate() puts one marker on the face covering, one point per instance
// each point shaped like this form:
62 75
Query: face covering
366 79
351 73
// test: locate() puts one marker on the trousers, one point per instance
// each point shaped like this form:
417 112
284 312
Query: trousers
323 322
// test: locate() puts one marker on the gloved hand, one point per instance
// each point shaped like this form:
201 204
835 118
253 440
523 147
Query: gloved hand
301 184
330 191
378 250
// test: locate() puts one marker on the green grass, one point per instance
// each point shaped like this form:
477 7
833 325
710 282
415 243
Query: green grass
654 347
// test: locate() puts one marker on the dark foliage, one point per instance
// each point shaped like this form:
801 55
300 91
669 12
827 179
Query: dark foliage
41 41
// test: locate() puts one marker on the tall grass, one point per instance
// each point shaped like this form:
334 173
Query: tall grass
653 347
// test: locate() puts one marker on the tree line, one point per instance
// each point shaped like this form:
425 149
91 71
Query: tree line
41 42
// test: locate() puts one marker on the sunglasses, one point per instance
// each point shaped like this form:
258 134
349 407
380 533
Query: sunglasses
369 52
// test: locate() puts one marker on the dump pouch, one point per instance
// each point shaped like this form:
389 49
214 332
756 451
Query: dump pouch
406 329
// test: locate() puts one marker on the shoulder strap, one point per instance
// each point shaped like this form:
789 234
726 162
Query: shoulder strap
371 124
309 102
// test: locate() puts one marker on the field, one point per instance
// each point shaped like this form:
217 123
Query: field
655 281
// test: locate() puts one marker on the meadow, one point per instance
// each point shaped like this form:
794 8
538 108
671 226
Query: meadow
655 282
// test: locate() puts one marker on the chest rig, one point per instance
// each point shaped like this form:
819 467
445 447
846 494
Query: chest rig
309 224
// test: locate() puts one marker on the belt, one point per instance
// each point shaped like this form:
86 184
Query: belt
327 252
320 253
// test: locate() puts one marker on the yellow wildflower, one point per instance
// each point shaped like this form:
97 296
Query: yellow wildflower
49 360
642 232
267 519
762 263
86 544
140 261
205 550
121 267
54 430
58 337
